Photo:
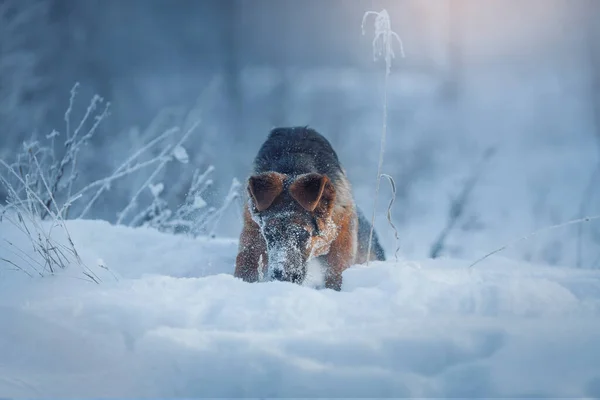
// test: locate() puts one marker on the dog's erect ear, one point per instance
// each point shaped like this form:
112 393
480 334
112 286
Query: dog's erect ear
264 188
314 192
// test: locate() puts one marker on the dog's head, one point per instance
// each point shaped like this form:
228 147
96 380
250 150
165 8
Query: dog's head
295 217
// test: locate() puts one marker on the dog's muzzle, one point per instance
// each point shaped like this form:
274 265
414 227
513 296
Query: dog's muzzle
286 265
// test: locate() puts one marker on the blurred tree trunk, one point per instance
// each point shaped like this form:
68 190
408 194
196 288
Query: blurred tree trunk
593 26
232 56
26 47
232 67
28 44
279 113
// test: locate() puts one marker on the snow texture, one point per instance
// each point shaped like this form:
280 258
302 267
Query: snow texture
169 319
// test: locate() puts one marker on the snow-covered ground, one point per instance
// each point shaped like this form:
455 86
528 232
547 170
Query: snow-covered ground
170 320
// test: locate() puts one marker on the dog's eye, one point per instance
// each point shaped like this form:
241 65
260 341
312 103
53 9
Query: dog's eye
303 234
315 231
300 233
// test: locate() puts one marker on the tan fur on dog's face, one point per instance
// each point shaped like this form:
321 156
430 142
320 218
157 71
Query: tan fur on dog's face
295 219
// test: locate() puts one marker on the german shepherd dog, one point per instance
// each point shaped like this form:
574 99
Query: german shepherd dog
300 208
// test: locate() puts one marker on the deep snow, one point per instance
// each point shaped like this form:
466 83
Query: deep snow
170 320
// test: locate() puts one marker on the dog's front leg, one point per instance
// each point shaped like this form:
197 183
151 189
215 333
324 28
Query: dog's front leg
336 262
341 255
251 247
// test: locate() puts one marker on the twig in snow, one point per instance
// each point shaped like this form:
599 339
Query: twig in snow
190 216
528 236
70 110
73 145
193 217
133 202
53 254
389 214
123 170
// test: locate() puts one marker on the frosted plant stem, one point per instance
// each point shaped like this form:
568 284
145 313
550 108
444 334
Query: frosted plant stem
382 47
380 165
548 228
133 201
70 110
389 214
123 170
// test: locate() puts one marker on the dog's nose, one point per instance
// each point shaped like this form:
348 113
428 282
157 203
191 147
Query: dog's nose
278 274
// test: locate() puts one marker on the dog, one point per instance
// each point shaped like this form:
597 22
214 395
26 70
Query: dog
300 208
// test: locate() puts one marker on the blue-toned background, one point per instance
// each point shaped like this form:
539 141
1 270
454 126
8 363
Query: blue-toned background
519 77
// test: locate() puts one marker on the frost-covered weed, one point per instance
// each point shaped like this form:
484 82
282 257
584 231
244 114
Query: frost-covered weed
383 47
194 217
43 189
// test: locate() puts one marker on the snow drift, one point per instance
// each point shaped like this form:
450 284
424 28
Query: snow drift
169 319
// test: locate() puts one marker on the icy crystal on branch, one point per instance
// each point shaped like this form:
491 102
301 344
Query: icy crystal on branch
181 154
384 37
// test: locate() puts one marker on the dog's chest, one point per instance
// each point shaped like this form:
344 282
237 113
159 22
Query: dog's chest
315 276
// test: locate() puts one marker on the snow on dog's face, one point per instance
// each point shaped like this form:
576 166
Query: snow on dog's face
294 215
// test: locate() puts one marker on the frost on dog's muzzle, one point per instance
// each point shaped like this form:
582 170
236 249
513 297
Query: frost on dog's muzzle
285 264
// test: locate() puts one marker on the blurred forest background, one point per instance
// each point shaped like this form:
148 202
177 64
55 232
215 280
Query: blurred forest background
494 113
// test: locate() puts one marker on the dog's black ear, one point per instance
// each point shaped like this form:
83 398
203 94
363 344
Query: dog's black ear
314 192
264 188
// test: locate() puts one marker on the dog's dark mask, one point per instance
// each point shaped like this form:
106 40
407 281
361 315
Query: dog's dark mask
294 215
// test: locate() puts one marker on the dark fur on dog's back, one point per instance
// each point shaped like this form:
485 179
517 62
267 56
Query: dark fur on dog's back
298 150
